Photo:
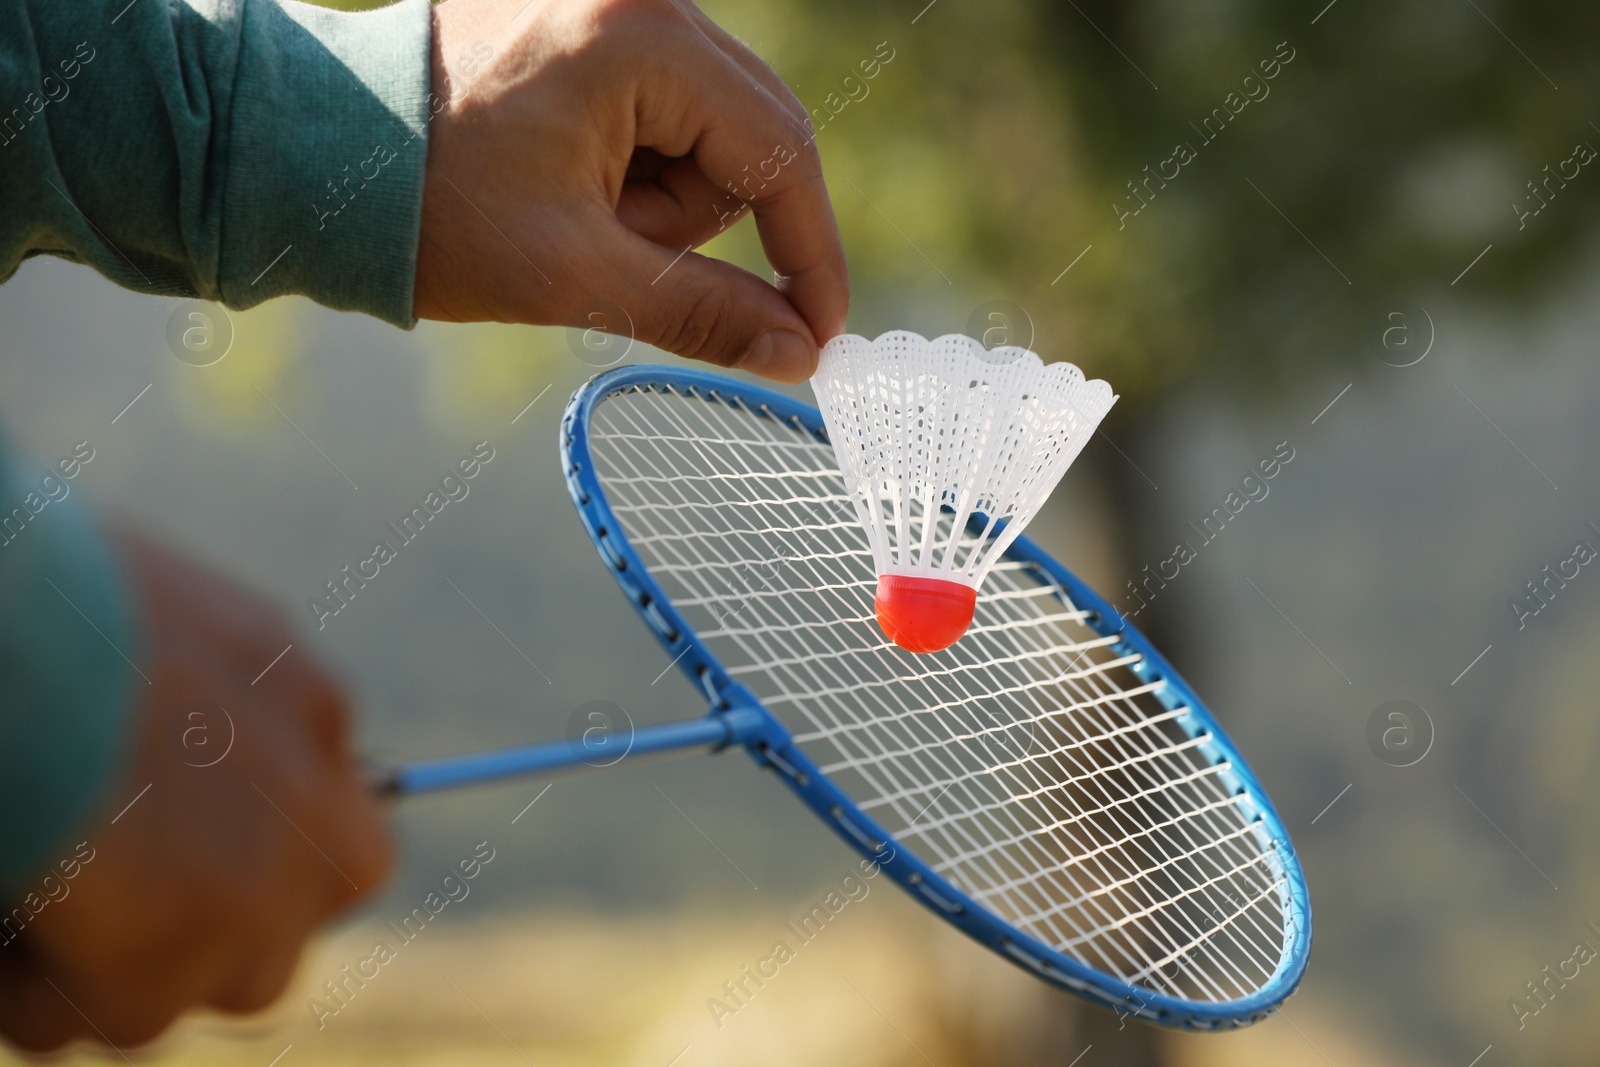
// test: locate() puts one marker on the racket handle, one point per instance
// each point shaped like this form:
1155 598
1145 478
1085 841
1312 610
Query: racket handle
717 730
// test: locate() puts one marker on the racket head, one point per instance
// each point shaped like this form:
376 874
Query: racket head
1159 962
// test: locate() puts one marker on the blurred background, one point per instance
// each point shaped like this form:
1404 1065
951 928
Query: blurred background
1361 232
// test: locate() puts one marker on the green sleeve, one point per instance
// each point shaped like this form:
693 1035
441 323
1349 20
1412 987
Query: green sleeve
233 150
68 679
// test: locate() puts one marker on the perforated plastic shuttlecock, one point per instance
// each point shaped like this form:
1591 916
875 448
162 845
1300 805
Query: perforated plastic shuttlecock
948 450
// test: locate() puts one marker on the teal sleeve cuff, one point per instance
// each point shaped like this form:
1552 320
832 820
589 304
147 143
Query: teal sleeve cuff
68 684
328 146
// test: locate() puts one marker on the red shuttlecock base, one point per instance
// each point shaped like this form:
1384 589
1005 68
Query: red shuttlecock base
924 614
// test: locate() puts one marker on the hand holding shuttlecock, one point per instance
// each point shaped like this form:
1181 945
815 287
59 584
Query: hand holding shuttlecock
948 450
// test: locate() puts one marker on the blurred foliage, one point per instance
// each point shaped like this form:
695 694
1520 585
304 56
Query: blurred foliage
1397 141
1393 144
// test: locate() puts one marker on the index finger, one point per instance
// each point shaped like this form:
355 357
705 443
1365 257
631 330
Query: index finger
749 140
801 239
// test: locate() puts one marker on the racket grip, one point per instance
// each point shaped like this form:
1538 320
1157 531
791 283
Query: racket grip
716 730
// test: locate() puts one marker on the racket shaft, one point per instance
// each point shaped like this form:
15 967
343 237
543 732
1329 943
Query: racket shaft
454 771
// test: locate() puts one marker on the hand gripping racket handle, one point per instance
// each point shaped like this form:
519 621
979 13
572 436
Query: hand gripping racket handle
734 726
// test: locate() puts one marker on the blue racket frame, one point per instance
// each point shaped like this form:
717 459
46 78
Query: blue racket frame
737 717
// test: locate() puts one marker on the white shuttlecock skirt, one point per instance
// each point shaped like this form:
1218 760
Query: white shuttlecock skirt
931 433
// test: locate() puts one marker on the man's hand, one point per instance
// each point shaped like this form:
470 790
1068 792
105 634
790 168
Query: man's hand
206 887
601 139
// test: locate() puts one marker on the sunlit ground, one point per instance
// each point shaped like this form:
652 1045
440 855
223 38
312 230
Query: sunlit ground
881 986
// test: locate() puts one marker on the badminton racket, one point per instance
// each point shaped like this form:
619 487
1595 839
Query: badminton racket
1048 784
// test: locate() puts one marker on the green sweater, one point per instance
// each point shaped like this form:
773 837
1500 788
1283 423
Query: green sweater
232 150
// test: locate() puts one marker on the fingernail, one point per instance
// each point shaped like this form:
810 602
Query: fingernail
781 355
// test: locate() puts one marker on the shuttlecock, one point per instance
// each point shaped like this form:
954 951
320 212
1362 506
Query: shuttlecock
941 438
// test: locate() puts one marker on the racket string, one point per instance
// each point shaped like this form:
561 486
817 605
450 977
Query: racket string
745 520
708 435
989 858
1080 898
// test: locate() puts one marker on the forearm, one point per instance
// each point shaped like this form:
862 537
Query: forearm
233 150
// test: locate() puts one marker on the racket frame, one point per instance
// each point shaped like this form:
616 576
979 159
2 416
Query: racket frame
745 720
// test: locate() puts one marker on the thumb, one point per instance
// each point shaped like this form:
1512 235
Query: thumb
705 309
